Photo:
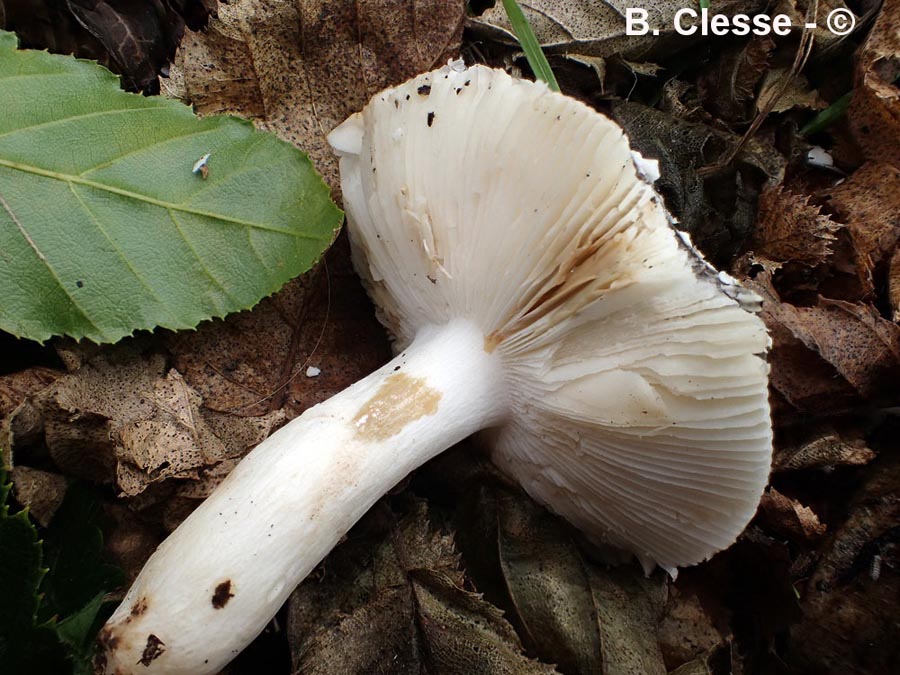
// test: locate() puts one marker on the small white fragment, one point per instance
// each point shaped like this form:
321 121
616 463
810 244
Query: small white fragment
312 371
456 65
875 569
727 279
819 157
648 169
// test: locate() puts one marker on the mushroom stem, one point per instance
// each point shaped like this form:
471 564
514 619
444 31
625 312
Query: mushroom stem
214 584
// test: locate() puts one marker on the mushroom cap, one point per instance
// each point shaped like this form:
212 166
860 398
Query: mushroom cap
637 374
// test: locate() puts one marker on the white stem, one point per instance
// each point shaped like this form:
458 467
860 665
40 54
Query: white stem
214 584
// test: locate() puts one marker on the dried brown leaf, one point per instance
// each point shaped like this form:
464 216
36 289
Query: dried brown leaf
853 337
584 618
825 448
790 229
299 68
874 111
869 203
123 417
253 362
718 209
629 608
178 440
788 518
403 611
140 35
894 284
16 387
41 491
527 564
850 601
805 379
797 94
728 87
686 631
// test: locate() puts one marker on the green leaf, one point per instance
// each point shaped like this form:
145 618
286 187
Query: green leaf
106 229
73 546
32 640
25 645
530 44
77 630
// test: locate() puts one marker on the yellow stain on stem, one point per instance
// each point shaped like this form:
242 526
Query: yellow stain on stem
400 400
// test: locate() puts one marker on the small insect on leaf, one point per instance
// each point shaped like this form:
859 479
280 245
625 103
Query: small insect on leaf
201 166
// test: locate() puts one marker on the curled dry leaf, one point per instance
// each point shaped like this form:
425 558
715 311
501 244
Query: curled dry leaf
686 631
788 518
799 374
874 111
527 563
825 448
719 209
568 611
177 439
798 93
299 68
40 491
869 203
728 87
851 340
629 608
853 337
122 417
404 610
790 229
16 387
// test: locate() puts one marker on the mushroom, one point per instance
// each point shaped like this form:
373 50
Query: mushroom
537 292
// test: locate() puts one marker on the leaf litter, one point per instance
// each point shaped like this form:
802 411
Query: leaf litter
456 561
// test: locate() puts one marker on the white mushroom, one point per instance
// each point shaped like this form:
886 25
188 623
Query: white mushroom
536 291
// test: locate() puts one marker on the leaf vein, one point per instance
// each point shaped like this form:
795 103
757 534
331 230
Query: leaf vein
196 255
153 201
47 264
119 251
70 118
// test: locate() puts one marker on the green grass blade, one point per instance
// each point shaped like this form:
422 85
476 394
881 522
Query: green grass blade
828 116
530 44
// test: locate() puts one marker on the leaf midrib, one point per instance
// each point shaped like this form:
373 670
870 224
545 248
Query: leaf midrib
169 206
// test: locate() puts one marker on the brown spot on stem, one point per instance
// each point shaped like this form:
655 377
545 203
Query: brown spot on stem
399 401
107 640
139 607
154 649
222 594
